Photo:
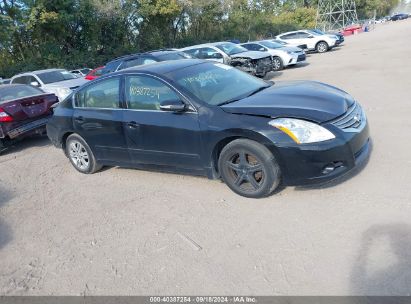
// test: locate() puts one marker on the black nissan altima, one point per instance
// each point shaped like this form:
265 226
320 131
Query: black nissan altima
211 119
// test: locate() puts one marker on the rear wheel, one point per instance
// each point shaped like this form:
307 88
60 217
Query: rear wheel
80 155
249 169
277 64
322 47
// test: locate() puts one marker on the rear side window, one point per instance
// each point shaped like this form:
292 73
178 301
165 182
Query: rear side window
289 36
146 93
103 94
111 67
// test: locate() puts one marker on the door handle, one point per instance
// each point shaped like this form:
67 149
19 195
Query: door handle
133 125
79 119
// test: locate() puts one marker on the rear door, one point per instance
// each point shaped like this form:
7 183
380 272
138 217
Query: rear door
158 137
98 119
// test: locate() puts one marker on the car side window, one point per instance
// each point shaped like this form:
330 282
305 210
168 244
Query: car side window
104 94
146 93
21 80
302 35
208 53
288 36
193 52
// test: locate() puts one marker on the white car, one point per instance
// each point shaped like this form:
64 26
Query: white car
282 56
253 62
81 72
58 81
313 41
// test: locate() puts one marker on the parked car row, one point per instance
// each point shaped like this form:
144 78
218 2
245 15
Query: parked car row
198 109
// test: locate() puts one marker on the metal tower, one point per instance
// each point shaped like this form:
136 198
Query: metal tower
336 14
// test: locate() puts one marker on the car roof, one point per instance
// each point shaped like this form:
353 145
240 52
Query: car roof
39 72
292 32
4 86
163 67
150 53
205 45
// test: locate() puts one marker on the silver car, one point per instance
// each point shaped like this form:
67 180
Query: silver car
253 62
58 81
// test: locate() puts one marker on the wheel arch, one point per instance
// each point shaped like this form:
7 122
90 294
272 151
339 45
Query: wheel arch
239 134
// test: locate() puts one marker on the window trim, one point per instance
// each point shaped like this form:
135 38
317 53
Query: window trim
73 98
192 108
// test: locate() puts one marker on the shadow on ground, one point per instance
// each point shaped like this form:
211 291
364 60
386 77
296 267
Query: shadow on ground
383 263
34 141
5 231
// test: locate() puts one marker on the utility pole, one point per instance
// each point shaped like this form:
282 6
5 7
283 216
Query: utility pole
336 14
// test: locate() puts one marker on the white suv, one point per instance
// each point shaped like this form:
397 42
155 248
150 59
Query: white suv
313 41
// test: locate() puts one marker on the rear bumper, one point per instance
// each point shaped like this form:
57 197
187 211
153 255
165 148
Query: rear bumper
36 126
323 162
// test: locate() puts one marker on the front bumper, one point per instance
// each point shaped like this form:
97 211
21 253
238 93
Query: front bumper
297 58
322 162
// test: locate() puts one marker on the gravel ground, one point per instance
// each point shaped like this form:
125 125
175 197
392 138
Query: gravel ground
134 232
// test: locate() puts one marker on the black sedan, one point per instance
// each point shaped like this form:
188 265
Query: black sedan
212 119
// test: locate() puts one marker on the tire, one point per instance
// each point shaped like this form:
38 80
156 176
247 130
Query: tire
249 169
278 64
322 47
80 155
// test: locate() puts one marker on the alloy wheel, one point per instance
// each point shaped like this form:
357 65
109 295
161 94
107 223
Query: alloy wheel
276 64
246 171
78 155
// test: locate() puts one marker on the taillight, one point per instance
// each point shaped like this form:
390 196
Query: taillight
4 117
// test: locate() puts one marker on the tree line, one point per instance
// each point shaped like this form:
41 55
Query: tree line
87 33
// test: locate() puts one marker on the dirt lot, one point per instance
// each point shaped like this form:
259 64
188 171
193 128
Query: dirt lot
133 232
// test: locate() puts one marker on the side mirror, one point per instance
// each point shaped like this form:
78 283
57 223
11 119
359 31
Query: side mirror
34 84
261 49
173 106
311 36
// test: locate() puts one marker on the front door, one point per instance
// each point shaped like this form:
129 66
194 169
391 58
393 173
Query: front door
98 119
159 137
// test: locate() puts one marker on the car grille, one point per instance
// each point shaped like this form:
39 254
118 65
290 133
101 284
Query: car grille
352 119
301 58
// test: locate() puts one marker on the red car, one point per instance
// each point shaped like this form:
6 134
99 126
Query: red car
94 73
24 110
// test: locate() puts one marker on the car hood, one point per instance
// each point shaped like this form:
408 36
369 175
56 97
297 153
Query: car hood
308 100
251 54
71 83
290 49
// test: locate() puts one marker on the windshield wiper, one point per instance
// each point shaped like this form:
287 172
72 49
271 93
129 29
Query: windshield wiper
258 90
242 97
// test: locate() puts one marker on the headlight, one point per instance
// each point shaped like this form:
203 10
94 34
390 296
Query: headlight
61 92
301 131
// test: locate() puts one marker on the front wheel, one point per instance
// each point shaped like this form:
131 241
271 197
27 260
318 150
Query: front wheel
249 169
322 47
277 64
80 155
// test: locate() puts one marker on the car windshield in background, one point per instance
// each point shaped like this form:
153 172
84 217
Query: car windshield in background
174 56
55 76
17 92
85 71
231 48
216 83
271 45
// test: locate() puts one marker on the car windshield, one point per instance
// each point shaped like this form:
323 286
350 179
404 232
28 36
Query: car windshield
174 56
55 76
216 83
271 45
85 71
231 48
17 92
